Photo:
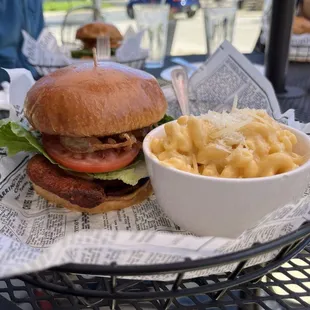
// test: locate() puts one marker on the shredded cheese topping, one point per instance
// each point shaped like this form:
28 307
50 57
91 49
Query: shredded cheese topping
242 143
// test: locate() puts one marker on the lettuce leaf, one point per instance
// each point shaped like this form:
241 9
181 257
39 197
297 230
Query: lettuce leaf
16 138
129 175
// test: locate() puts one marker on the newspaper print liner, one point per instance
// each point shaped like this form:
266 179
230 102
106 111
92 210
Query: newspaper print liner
36 235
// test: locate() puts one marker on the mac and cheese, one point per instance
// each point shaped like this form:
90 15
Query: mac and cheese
244 143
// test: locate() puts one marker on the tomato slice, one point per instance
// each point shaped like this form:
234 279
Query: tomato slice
96 162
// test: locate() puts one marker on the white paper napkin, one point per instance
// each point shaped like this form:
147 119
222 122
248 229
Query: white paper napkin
131 47
129 32
44 52
4 96
16 91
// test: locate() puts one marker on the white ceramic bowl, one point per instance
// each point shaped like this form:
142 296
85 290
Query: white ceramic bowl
209 206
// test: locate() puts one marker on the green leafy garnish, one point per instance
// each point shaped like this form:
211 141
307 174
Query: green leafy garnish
15 138
129 175
77 54
81 53
165 119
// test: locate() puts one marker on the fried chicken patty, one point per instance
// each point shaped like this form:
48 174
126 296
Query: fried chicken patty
84 193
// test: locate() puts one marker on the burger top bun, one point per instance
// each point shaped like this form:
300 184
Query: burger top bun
97 29
86 100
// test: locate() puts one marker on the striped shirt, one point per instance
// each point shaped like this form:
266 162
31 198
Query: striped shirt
260 46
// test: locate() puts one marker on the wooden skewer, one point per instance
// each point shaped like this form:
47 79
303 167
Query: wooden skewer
95 57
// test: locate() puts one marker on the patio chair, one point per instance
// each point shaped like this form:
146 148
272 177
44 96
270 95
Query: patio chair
75 18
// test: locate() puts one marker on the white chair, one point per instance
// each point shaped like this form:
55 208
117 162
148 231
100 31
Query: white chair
76 17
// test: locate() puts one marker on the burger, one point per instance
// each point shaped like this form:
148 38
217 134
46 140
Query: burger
87 123
89 33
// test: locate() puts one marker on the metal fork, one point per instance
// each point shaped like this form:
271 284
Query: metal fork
103 48
180 85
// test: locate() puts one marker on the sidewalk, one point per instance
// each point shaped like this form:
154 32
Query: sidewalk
48 14
240 13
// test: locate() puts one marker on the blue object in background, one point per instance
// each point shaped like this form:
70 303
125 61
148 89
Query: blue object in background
190 7
15 16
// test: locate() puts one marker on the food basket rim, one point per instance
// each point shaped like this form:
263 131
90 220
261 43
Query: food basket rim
189 264
143 59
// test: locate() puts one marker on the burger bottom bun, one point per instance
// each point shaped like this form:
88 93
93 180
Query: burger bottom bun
114 203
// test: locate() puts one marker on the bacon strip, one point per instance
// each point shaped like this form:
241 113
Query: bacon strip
93 144
141 133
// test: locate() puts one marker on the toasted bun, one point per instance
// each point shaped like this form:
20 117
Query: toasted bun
83 100
118 203
97 29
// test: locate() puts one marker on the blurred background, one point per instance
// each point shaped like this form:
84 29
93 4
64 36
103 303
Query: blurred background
188 36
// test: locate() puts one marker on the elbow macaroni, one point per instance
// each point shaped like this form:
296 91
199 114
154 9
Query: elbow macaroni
243 144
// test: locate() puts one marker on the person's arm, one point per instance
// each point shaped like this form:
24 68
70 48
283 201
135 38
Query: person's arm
305 9
301 23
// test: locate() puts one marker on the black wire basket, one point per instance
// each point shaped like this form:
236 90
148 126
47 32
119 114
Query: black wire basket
104 285
138 63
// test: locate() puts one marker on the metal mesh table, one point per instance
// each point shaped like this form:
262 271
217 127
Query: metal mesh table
286 288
